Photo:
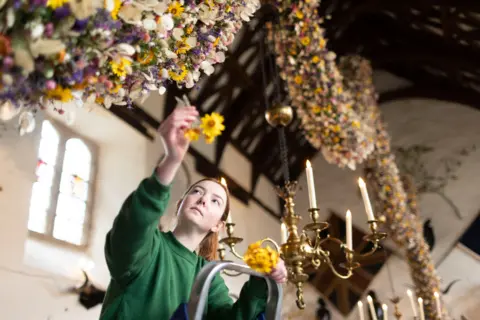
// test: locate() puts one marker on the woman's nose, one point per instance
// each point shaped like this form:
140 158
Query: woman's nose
202 201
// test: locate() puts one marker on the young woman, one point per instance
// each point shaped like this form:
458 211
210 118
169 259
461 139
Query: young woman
153 272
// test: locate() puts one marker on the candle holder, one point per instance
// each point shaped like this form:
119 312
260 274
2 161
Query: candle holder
305 247
396 300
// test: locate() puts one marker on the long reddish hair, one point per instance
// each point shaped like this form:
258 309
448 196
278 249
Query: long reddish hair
209 245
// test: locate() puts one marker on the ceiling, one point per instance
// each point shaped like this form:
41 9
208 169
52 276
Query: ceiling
433 43
434 46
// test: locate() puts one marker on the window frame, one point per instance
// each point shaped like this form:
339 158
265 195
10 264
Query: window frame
65 134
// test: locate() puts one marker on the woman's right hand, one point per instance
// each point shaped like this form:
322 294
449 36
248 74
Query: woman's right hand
172 131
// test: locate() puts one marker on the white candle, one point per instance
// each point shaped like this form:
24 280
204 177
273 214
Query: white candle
420 306
412 302
360 310
284 232
348 219
311 186
439 306
385 311
372 308
220 246
366 200
229 218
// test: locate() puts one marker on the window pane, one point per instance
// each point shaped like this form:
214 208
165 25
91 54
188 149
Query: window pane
77 159
64 229
48 144
71 209
74 186
40 196
37 220
44 173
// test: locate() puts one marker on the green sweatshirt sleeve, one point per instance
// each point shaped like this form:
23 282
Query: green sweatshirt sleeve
251 302
133 238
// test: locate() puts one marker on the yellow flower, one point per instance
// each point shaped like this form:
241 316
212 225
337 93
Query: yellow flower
209 139
322 43
115 89
298 79
315 59
210 4
116 8
318 91
99 100
189 29
261 259
178 76
120 67
55 4
316 109
305 41
356 124
212 125
145 57
299 14
216 42
183 47
228 8
340 90
192 134
60 94
176 9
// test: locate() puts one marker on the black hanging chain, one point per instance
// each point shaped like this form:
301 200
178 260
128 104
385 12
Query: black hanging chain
284 153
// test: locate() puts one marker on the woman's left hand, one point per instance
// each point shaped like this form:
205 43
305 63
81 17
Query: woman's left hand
279 273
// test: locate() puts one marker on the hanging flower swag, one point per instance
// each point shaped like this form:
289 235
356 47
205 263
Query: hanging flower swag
315 85
110 51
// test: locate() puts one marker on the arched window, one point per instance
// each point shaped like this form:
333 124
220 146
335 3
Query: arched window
61 196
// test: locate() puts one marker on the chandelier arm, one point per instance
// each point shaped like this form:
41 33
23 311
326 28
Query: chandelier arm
369 253
334 270
235 253
277 247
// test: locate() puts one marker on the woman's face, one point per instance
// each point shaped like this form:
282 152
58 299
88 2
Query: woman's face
204 206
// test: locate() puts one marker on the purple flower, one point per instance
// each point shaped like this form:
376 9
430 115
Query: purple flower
80 25
49 29
38 3
62 12
78 76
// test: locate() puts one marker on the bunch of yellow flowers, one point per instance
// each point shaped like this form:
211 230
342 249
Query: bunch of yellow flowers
261 259
211 126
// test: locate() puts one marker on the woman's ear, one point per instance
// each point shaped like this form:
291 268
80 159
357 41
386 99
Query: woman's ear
219 226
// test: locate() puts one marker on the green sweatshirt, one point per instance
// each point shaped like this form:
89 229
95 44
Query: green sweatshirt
152 273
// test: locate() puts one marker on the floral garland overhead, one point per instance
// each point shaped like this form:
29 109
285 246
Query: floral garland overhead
393 202
315 85
110 51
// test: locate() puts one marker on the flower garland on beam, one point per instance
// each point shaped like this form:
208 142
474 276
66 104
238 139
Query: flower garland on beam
392 201
315 85
110 51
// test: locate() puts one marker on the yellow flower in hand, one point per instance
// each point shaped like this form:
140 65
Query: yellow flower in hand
192 134
261 259
212 125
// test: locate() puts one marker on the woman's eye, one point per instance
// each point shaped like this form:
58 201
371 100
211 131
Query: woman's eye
196 191
216 201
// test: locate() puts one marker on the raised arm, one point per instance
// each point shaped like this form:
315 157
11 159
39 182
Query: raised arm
133 238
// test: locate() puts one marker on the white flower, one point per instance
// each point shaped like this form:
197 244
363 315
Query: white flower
24 60
130 14
125 49
196 75
149 24
207 67
220 57
7 79
8 111
177 34
206 15
192 41
83 9
2 3
46 47
26 122
109 5
10 17
37 31
167 22
162 90
164 73
161 7
189 83
170 54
